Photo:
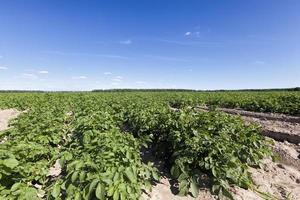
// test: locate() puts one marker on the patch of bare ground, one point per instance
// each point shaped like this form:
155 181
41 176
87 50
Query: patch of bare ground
289 154
55 170
278 130
7 115
162 191
266 116
279 180
275 125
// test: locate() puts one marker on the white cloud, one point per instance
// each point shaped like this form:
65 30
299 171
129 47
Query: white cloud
259 62
3 68
195 43
116 80
79 77
188 33
126 42
61 53
119 77
107 73
43 72
29 76
199 33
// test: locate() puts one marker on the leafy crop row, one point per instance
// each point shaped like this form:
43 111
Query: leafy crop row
193 144
97 140
273 102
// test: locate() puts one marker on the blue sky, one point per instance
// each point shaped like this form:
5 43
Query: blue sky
201 44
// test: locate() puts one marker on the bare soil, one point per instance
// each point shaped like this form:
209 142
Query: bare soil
6 116
278 180
278 130
163 191
266 116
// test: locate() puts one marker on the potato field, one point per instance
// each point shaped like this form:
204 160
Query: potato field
87 145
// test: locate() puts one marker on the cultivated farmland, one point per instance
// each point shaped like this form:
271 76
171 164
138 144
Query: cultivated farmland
123 145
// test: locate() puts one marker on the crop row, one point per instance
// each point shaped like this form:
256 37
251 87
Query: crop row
97 141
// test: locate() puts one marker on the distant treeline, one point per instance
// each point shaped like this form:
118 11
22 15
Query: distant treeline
144 90
38 91
256 90
156 90
190 90
21 91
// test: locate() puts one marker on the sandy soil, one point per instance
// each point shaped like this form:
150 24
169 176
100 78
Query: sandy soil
163 191
6 116
276 126
279 130
266 116
279 180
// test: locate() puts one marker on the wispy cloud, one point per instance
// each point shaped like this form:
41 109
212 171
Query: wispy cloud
79 77
187 33
198 32
190 43
43 72
126 42
86 54
166 58
117 79
29 76
3 68
259 62
107 73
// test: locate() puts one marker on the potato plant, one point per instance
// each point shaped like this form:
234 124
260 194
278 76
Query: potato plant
97 139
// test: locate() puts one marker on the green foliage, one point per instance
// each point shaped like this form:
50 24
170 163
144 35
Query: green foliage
214 143
97 139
